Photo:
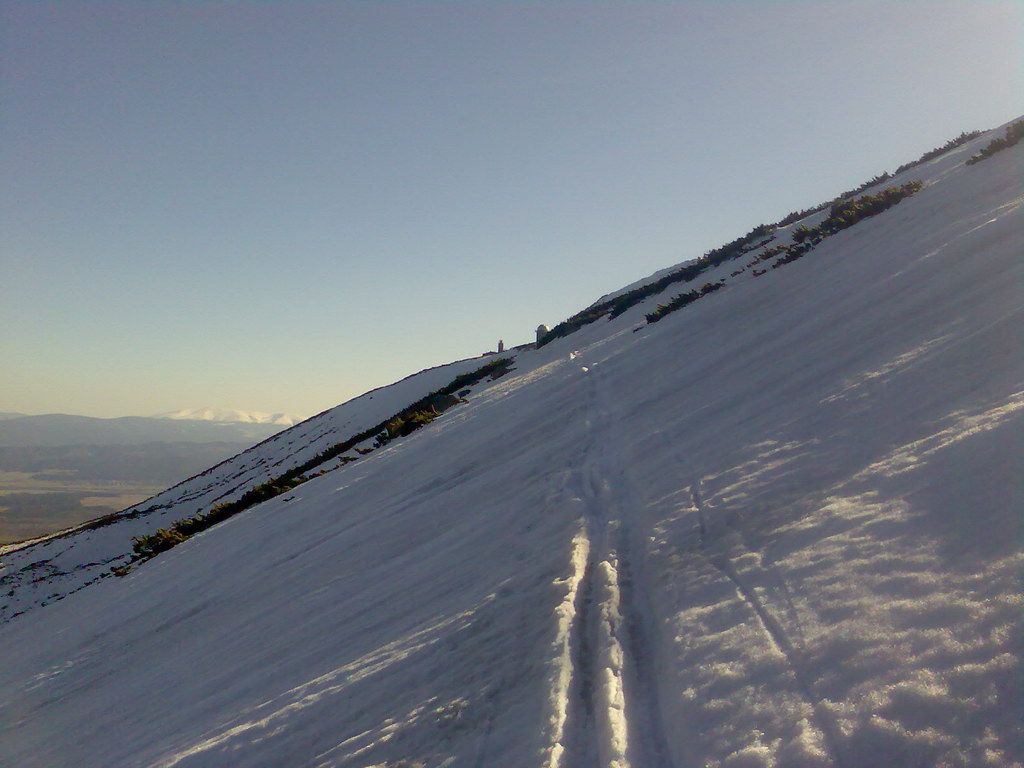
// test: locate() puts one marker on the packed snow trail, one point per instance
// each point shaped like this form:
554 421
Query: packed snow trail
614 717
595 719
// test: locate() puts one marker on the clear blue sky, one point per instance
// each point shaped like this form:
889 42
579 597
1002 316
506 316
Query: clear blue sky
276 206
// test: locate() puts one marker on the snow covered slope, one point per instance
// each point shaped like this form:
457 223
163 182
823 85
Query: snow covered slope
780 527
37 573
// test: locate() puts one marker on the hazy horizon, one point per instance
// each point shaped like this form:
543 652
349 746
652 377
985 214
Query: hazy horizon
277 207
164 415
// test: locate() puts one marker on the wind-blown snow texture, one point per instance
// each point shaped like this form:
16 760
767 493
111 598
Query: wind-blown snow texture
781 527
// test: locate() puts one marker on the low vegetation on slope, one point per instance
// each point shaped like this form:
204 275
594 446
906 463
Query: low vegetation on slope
1014 133
682 300
405 422
931 154
612 308
845 211
843 215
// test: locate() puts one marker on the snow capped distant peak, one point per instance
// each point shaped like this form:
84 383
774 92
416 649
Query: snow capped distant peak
230 415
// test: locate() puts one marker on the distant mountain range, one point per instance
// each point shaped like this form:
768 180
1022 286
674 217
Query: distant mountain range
56 429
232 416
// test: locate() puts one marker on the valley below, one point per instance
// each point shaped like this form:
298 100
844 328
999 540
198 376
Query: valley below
34 505
45 489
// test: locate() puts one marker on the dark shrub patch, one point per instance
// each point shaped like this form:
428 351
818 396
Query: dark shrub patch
681 301
846 213
931 154
612 308
1014 133
801 233
842 215
403 423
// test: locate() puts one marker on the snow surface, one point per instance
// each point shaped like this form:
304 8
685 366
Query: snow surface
36 575
779 528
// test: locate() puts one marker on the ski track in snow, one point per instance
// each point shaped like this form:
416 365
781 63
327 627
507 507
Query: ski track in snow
776 634
775 631
612 717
